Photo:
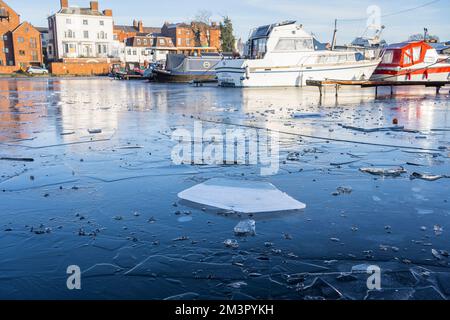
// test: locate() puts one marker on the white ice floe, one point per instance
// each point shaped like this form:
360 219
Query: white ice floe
241 196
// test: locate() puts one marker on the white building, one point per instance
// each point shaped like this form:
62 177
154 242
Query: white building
146 49
81 33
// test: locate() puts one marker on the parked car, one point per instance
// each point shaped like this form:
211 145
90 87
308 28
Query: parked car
36 70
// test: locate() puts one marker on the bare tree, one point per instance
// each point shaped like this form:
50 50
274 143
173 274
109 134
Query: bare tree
200 25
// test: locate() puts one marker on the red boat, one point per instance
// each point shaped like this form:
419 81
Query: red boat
412 61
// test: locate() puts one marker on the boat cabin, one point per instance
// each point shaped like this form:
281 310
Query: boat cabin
406 54
287 37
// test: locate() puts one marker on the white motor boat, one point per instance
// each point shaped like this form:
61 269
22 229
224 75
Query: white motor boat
285 55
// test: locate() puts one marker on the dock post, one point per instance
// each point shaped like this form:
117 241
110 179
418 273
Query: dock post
438 89
376 92
392 91
337 90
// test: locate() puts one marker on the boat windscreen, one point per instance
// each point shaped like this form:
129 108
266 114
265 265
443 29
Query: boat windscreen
262 32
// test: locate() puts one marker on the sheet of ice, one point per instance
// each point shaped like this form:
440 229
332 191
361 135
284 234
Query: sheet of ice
241 196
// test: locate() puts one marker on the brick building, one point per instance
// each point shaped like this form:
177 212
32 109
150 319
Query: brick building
20 43
194 36
123 32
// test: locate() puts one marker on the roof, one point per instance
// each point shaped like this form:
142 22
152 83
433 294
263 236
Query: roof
440 46
131 29
189 25
42 29
81 11
151 41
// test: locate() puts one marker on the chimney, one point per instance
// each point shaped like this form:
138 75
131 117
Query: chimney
135 24
108 12
141 26
94 5
64 4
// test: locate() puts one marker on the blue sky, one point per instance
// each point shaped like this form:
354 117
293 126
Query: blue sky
316 15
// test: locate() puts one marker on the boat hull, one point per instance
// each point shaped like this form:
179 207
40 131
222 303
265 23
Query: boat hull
180 77
291 76
441 73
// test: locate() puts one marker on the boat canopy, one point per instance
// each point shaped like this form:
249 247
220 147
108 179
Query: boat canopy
405 54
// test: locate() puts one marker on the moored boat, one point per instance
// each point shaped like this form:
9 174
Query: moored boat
182 69
412 61
284 54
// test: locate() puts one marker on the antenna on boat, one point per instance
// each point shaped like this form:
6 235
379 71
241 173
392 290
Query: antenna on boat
333 43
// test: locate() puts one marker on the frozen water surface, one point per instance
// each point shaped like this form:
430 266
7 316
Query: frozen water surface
102 191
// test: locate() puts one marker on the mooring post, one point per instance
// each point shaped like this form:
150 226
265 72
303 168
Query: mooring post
392 91
376 92
438 89
337 90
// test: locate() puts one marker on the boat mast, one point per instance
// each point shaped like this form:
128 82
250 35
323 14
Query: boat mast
333 43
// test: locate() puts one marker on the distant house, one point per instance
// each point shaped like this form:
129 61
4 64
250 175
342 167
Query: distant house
81 33
20 43
194 36
147 49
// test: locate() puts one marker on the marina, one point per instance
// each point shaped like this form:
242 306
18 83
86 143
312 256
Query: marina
242 158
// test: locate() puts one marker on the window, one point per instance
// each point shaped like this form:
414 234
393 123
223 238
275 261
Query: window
342 58
50 50
129 52
188 42
161 42
134 52
259 48
6 50
86 34
294 45
179 31
20 40
145 41
101 35
138 41
417 53
102 23
1 62
388 57
407 57
68 21
179 41
143 52
21 52
5 37
34 56
69 34
33 43
11 63
85 22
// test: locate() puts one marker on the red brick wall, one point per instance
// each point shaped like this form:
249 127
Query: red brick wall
8 69
7 25
79 69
